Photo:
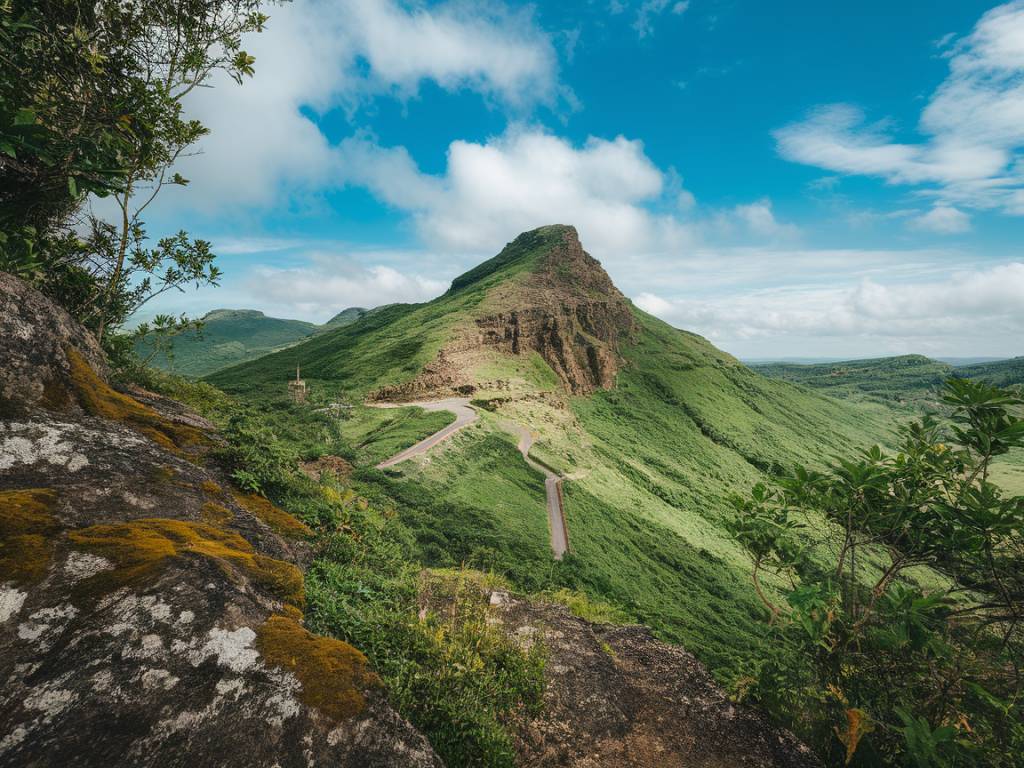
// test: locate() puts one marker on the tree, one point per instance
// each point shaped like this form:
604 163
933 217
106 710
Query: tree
896 594
91 102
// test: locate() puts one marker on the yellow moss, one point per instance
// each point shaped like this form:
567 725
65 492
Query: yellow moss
210 488
216 514
99 399
275 517
141 548
27 528
333 674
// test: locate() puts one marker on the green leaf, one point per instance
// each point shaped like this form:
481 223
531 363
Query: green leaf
25 116
72 186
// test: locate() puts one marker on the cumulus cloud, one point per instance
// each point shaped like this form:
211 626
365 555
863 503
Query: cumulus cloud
943 219
523 179
973 126
327 284
951 312
324 54
756 219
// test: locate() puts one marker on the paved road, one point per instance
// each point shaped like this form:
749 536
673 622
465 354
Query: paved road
464 416
553 489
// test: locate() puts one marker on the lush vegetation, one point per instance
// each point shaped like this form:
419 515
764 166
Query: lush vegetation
651 463
91 103
867 665
912 382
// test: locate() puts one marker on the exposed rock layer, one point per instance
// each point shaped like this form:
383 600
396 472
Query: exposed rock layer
149 616
568 311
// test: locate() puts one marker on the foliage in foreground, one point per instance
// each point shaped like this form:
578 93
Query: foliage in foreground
455 675
867 666
91 104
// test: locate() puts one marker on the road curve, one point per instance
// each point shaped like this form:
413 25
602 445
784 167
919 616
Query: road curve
553 489
464 416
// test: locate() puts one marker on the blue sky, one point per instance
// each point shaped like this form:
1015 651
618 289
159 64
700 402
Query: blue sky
787 178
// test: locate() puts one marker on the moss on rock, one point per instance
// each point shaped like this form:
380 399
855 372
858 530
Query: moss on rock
333 673
279 521
27 528
141 548
100 399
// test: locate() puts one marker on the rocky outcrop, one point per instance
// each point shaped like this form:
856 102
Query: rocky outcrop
616 697
567 310
149 614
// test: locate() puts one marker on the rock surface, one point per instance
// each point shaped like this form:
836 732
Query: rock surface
149 614
568 311
619 698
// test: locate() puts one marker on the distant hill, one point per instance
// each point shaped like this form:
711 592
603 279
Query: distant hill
1004 373
345 317
907 380
232 336
898 381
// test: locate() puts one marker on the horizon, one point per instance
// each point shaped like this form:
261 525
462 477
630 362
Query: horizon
792 183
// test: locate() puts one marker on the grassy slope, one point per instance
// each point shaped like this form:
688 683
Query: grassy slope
231 336
228 337
910 380
650 464
908 383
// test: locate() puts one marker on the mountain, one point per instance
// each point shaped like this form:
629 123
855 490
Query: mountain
652 429
232 336
152 613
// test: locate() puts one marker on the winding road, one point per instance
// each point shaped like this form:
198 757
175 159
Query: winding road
466 415
552 487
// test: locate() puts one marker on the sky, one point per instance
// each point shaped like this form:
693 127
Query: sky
788 179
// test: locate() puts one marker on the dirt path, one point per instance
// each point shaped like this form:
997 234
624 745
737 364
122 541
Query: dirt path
464 416
552 487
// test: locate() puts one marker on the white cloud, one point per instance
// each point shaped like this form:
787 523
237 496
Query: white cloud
650 9
951 313
325 54
757 219
328 284
943 219
523 179
974 124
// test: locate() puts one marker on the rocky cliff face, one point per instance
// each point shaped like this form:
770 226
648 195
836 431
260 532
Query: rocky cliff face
149 614
567 310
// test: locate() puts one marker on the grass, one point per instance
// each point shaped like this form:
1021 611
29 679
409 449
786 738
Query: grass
649 465
375 434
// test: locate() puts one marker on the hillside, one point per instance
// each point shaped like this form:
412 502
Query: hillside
651 427
232 336
907 380
1002 373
